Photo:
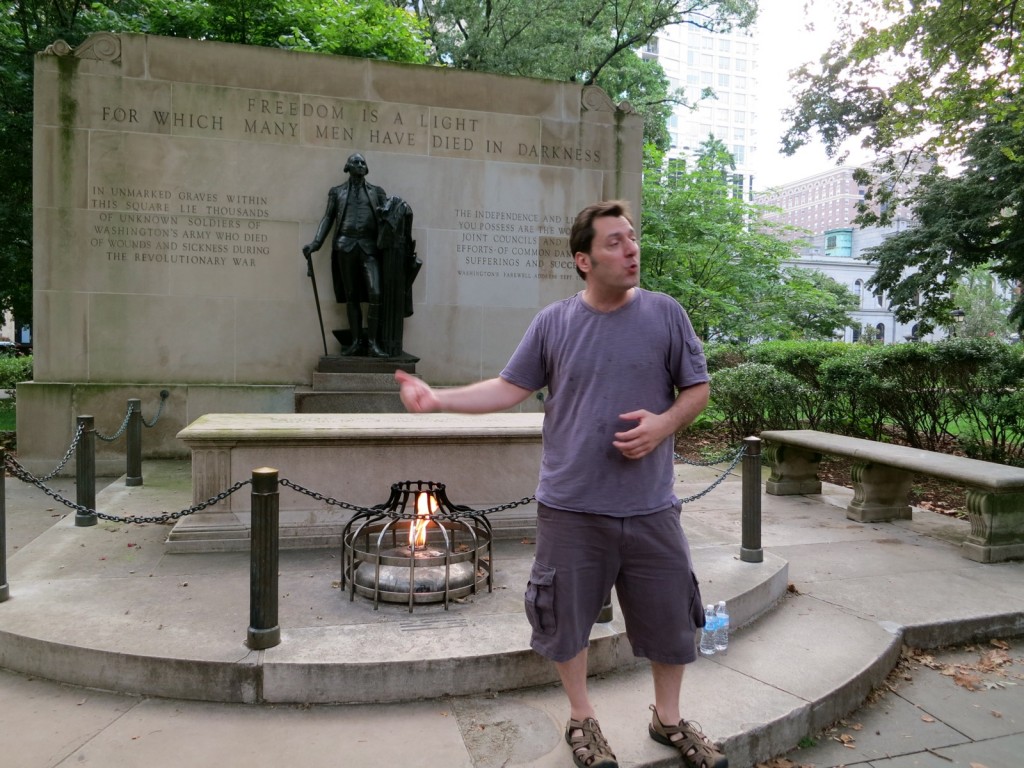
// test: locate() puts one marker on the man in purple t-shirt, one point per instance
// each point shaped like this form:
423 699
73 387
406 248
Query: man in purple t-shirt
624 371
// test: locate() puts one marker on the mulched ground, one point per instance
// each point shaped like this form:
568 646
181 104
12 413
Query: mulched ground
928 493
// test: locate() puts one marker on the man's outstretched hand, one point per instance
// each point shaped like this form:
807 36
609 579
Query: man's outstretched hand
416 394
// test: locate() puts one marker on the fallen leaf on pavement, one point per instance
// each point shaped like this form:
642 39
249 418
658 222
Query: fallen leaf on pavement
967 680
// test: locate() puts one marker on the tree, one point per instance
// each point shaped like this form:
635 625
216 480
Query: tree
982 299
720 257
911 79
25 29
562 39
965 222
594 42
815 305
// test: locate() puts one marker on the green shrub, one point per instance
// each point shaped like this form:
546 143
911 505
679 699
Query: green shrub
915 385
804 360
753 397
850 383
990 403
725 355
13 370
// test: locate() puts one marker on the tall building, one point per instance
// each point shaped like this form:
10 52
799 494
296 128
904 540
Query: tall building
825 201
694 60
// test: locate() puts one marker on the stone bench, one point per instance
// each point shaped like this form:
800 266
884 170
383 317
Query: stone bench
882 475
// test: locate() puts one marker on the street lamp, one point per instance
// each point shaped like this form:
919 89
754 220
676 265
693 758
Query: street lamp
958 318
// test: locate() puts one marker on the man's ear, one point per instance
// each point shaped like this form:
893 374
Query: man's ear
582 261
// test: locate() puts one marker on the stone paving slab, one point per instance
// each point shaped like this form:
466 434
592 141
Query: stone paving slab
815 655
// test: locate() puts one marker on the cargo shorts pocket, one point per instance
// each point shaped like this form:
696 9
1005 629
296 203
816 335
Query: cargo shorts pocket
540 599
696 605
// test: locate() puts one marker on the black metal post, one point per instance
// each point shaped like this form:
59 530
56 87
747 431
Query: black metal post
750 545
264 630
5 591
85 472
134 440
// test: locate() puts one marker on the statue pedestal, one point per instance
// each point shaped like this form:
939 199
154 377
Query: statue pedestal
354 385
485 461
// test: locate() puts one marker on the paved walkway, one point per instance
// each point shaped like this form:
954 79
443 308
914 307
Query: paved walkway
858 592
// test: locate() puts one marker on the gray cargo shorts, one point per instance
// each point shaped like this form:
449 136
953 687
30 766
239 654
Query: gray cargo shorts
580 556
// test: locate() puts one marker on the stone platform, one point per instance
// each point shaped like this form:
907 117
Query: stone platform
174 625
484 461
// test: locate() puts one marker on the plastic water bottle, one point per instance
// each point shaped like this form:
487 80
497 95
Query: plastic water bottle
707 635
721 628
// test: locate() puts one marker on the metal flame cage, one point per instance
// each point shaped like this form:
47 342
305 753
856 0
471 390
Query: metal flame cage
380 559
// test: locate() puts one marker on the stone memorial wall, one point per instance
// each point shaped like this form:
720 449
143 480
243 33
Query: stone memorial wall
176 182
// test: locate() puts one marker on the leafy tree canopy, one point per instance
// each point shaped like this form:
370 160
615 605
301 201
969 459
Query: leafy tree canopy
911 76
721 257
562 39
974 220
594 42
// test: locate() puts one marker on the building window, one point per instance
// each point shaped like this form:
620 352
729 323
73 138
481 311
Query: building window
881 332
723 62
652 46
723 45
723 80
741 65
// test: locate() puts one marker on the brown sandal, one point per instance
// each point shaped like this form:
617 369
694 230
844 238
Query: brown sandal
693 745
589 747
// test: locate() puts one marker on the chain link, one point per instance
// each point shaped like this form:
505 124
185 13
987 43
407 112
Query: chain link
67 455
124 426
24 475
736 460
728 456
18 471
164 394
371 510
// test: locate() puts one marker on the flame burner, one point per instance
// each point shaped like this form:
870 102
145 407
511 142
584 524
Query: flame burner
417 547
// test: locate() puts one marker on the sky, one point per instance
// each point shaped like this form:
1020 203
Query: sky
785 43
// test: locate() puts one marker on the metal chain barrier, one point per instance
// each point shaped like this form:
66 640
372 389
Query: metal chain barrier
164 394
18 471
728 456
370 510
124 426
736 460
67 455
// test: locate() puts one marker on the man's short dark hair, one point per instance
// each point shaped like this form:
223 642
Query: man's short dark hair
581 237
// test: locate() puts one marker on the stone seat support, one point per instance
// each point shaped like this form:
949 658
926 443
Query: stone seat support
882 474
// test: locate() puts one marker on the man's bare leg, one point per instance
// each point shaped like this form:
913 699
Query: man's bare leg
668 684
573 674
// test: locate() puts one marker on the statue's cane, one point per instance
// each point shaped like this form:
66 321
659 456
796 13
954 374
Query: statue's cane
316 296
